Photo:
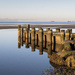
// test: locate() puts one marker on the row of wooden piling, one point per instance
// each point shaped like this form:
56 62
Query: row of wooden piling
48 35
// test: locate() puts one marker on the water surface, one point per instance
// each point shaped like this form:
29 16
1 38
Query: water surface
37 23
20 61
23 61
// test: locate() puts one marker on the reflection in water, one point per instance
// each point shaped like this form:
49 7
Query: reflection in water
36 44
44 47
57 45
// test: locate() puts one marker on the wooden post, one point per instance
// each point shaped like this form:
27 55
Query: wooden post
40 34
57 30
49 37
70 30
29 36
27 30
62 35
47 29
33 34
67 35
28 26
19 36
19 30
24 35
43 39
71 36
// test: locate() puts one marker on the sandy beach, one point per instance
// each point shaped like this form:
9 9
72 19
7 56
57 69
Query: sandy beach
38 26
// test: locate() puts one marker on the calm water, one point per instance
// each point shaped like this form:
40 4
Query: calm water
37 22
23 61
20 61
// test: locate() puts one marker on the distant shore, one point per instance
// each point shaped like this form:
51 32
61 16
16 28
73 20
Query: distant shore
39 26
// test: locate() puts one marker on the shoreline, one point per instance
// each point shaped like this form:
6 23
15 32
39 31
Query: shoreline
15 26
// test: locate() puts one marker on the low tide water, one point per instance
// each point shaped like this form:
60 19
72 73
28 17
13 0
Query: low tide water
1 23
20 61
15 61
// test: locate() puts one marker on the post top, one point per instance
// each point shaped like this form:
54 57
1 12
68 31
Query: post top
62 30
67 31
33 28
50 31
19 25
40 28
47 29
28 25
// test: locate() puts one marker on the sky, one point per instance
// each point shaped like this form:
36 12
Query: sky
37 10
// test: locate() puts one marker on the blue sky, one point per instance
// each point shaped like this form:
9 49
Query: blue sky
38 10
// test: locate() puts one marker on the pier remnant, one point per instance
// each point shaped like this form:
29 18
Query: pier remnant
56 44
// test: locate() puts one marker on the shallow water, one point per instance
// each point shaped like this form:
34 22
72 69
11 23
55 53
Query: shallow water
37 22
20 61
15 61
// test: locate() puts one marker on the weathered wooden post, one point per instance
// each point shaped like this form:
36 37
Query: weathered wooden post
28 26
33 34
70 30
19 36
43 36
58 30
49 42
67 35
29 37
19 30
47 29
24 35
49 36
40 34
62 35
71 37
27 31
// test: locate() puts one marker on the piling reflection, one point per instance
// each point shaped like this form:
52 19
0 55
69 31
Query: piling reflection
48 49
51 49
36 44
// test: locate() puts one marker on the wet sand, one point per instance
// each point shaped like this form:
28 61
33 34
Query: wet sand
38 26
